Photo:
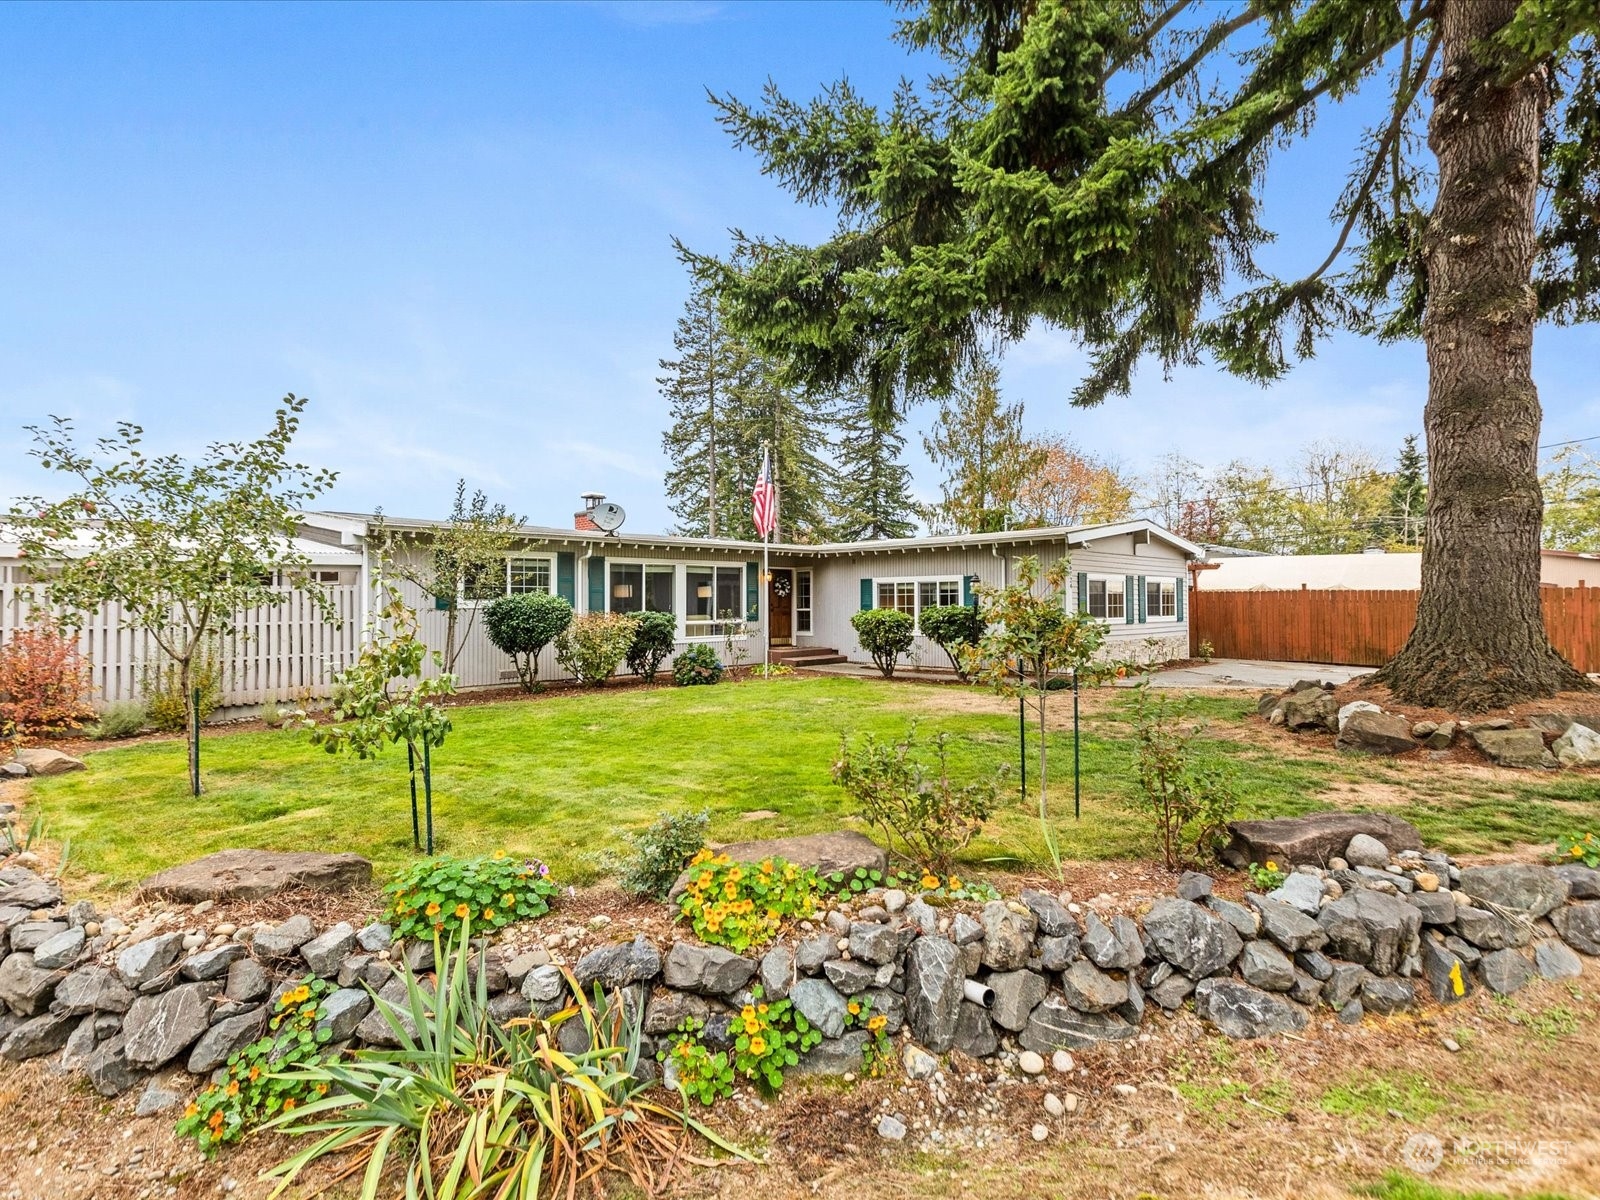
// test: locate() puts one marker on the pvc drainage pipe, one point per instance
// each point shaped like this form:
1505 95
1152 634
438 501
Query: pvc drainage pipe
978 993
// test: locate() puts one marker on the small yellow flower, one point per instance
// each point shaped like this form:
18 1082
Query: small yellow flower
488 914
233 1088
432 910
508 900
855 1008
1577 852
747 1013
758 1045
1271 866
877 1022
192 1110
766 866
291 1102
255 1074
930 882
752 1026
762 1009
953 884
463 912
735 875
499 853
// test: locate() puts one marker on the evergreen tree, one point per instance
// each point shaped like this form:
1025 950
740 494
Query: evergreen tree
695 384
874 486
977 441
1098 164
1408 496
762 413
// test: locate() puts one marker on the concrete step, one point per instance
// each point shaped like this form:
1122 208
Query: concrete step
806 656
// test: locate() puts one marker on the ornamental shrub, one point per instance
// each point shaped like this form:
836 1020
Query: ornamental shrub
740 905
696 664
44 680
593 646
656 855
522 626
121 719
1190 801
483 894
654 636
165 703
916 805
263 1079
950 627
886 634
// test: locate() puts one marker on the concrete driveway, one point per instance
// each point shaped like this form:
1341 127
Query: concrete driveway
1258 676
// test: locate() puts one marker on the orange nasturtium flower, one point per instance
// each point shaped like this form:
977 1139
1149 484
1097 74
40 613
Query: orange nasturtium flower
463 911
488 914
432 910
758 1045
930 881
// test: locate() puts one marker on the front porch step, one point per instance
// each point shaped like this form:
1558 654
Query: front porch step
806 656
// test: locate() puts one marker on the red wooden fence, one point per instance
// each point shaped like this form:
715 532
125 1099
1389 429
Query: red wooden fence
1359 628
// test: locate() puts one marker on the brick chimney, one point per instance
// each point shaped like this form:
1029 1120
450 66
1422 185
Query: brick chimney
582 520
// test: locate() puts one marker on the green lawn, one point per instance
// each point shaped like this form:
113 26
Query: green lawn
565 776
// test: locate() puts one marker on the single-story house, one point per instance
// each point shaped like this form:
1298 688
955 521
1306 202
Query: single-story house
1132 574
1374 570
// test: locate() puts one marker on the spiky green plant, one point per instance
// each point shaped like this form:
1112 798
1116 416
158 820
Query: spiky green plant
467 1109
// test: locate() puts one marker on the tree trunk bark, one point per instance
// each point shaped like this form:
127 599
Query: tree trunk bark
1480 640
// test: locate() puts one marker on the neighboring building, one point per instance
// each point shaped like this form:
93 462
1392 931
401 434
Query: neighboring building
1372 571
1132 573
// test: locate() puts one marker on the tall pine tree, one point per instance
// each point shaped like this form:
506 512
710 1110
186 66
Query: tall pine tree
874 486
695 383
1408 496
977 441
763 414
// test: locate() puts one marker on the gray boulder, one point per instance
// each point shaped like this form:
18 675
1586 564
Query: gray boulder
1579 746
1492 930
849 976
1553 960
832 1056
1265 966
211 964
41 762
1372 929
1521 748
544 985
1052 917
37 1037
618 965
810 954
1315 837
25 987
667 1011
62 950
1300 891
108 1068
975 1033
1016 995
28 935
1386 995
1116 947
1058 953
246 981
1245 922
818 1002
141 962
1344 984
871 943
92 989
777 971
1007 937
285 939
1371 732
1192 885
934 984
343 1011
1578 925
1241 1011
1583 883
324 953
1310 708
1436 908
1056 1025
709 970
1090 990
1190 938
160 1027
1506 971
1448 978
257 874
223 1038
1172 990
1521 886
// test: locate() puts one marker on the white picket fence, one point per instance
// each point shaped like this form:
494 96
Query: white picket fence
280 652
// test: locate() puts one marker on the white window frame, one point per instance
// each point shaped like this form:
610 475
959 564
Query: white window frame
718 629
549 561
1120 591
678 605
915 582
464 601
803 612
1169 587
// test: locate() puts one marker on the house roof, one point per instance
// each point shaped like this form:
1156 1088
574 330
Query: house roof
352 526
315 552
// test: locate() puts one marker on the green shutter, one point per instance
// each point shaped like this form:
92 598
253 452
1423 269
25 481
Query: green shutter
566 587
1181 581
866 594
1083 591
966 589
597 584
1144 601
752 591
1129 612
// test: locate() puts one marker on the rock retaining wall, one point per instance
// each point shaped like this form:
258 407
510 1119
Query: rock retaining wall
1366 931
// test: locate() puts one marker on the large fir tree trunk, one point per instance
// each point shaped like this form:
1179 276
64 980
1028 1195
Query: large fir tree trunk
1480 639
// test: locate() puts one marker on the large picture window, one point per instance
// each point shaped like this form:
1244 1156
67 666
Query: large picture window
643 587
714 599
911 596
1107 599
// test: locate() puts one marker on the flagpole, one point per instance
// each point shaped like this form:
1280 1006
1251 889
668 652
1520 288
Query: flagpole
766 576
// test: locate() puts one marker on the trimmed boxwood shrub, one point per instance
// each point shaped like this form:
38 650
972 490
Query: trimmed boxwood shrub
523 625
886 634
952 627
654 636
696 663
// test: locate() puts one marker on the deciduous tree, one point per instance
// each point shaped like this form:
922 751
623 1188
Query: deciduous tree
1070 487
977 441
1097 166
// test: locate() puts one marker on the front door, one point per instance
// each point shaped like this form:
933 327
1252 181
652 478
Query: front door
780 606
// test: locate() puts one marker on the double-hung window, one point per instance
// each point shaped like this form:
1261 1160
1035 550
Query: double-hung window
643 587
1161 599
1107 598
911 596
898 593
714 599
931 592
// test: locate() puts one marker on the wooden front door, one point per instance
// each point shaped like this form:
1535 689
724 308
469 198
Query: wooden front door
780 606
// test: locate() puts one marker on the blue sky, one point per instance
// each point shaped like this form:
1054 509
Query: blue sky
450 227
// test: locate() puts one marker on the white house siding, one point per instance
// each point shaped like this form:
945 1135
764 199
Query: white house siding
837 589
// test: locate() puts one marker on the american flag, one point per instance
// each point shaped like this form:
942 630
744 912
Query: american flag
764 499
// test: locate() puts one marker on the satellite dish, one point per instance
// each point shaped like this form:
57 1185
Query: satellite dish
608 516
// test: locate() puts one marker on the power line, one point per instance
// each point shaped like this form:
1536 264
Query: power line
1570 442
